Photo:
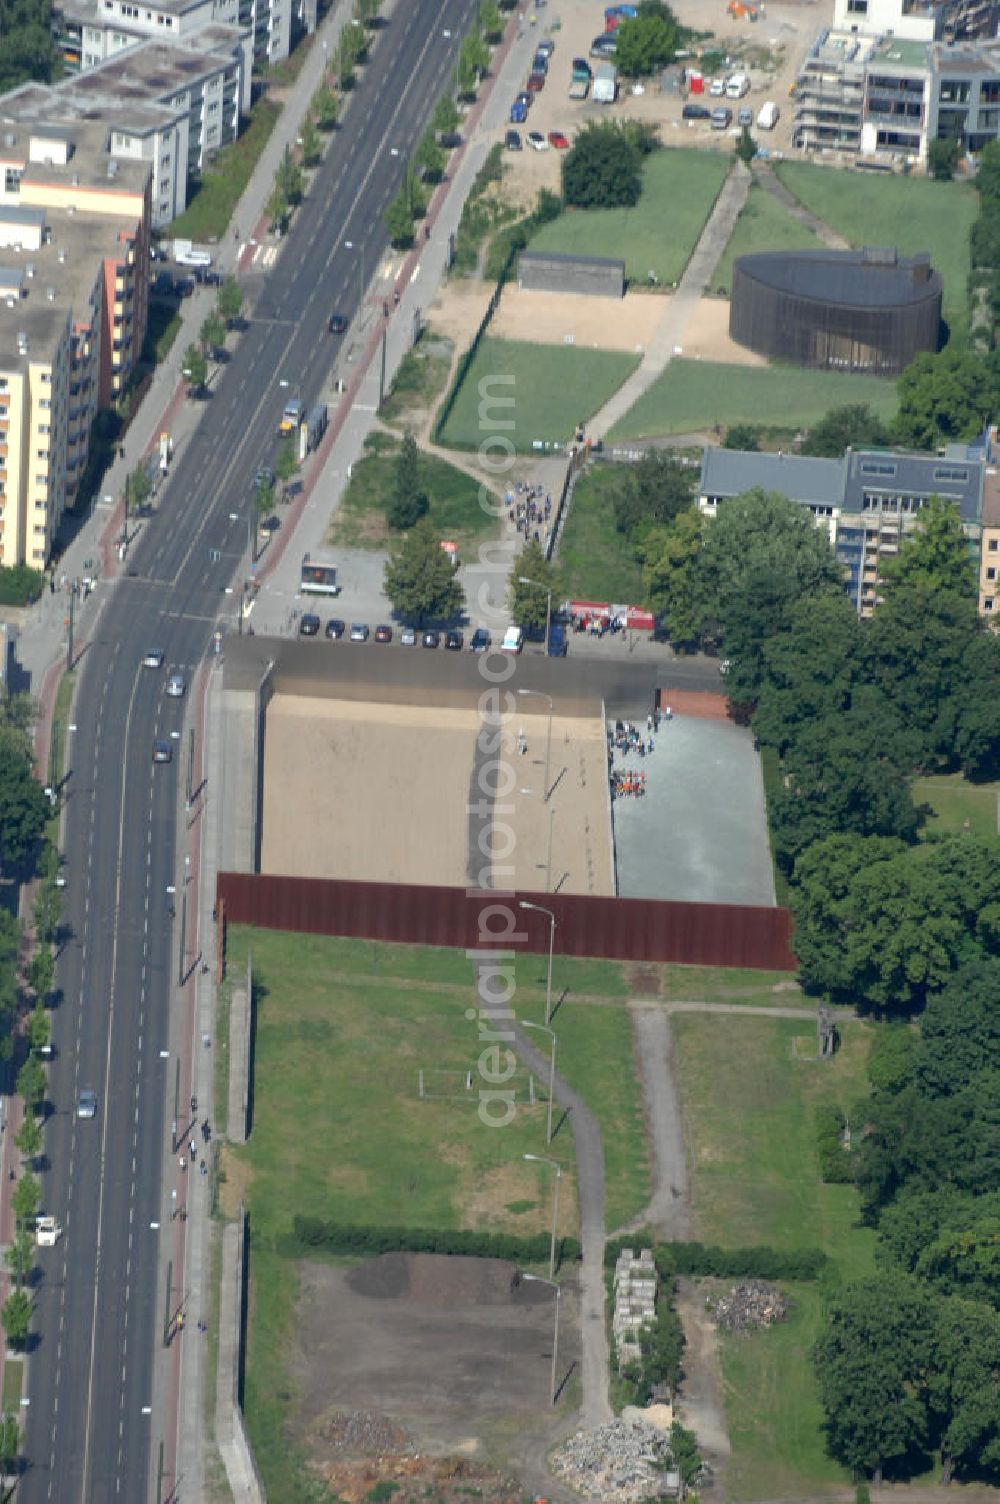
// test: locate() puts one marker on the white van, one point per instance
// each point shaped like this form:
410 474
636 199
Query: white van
513 640
737 86
768 117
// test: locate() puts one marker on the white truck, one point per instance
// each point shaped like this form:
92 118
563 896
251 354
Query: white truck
186 253
768 117
737 86
47 1232
605 90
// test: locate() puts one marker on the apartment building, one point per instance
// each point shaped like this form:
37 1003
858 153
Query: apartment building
166 105
74 287
867 501
89 32
989 550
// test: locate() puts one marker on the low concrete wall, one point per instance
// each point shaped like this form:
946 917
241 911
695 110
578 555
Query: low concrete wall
230 1431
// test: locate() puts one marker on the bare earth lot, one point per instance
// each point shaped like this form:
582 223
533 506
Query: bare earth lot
447 1348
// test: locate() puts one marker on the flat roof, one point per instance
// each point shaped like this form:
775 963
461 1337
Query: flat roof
902 52
567 257
803 478
82 243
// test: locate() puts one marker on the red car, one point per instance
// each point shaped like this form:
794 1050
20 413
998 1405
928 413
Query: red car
536 82
558 140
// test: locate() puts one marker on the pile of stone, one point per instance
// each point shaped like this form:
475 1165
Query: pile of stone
751 1304
635 1302
618 1463
362 1431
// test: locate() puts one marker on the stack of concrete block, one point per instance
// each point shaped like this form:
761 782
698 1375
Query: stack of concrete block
635 1302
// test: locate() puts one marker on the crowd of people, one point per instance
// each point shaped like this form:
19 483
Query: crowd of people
626 740
529 508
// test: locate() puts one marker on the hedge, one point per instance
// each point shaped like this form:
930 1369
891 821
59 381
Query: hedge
835 1166
335 1237
20 585
757 1262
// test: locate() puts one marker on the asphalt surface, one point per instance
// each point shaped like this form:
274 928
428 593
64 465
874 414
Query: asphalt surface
100 1314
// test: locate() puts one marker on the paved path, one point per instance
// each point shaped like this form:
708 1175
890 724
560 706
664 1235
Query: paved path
668 339
668 1209
765 176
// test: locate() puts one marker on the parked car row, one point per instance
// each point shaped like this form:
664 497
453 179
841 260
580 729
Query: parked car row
453 640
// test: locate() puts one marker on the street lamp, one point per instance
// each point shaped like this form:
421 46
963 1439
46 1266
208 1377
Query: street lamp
543 1159
539 694
537 908
541 1280
544 1029
524 579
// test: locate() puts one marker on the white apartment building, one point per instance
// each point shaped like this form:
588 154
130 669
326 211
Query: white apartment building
91 31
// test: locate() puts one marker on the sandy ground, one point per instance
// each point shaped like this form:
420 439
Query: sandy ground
405 818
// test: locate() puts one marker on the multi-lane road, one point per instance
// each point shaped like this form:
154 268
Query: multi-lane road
99 1309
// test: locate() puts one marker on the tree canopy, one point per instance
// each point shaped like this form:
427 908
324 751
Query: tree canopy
854 426
420 578
647 42
533 584
602 168
944 398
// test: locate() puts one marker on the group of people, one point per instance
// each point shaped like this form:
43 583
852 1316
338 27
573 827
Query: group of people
528 508
627 785
626 739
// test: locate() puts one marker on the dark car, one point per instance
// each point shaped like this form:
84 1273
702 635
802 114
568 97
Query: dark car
696 112
383 632
536 83
450 140
270 525
337 324
309 625
546 48
454 641
480 641
512 141
335 627
359 631
205 277
580 65
264 477
603 46
184 287
431 638
163 285
540 63
518 112
162 751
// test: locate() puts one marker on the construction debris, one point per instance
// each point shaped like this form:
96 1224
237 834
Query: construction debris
751 1304
635 1303
360 1431
619 1463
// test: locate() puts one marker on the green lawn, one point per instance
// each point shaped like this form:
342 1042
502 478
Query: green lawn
749 1095
531 394
717 984
958 805
763 225
455 508
421 378
694 395
210 207
679 188
595 562
913 214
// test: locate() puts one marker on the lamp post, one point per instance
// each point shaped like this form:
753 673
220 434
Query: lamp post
541 1280
537 908
544 1029
524 579
539 694
543 1159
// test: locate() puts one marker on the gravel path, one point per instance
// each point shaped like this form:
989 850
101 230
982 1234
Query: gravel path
668 1204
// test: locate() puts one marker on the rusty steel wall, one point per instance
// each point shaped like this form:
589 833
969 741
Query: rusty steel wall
619 929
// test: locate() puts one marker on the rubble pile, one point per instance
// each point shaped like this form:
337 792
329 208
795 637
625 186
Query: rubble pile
618 1463
360 1431
635 1302
751 1304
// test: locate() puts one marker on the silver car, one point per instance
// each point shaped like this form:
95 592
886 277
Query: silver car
86 1103
176 685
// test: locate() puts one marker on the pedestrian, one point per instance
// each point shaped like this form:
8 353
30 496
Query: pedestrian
650 747
649 722
194 1105
52 584
194 1151
202 1327
206 1041
395 298
181 1162
203 1167
669 713
171 911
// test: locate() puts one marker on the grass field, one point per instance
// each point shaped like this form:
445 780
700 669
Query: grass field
749 1095
360 520
553 389
958 805
595 562
420 380
913 214
715 984
763 225
692 396
679 188
210 207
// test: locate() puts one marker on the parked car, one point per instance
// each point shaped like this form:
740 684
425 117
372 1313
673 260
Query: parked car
538 141
580 65
431 639
546 47
450 140
162 750
518 113
309 625
540 63
512 141
176 685
184 287
481 641
359 632
745 116
558 140
408 637
696 112
722 118
265 477
603 47
335 628
454 641
383 632
163 285
536 83
717 88
337 324
205 277
526 99
269 525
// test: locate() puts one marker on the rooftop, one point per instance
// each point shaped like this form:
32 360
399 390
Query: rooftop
869 278
56 279
731 472
902 53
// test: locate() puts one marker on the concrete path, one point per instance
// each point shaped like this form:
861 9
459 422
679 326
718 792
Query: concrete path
668 339
765 175
667 1210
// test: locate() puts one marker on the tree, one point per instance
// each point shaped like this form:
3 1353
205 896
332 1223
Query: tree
25 1199
16 1317
684 1451
29 1136
873 1362
312 147
286 465
968 1360
490 24
824 879
474 55
138 488
465 78
212 335
853 426
944 398
743 436
645 43
977 729
325 107
39 1028
195 369
277 210
935 555
746 146
399 221
10 1444
230 301
41 972
669 554
530 603
943 157
264 498
988 173
408 502
31 1082
916 644
430 157
290 179
651 493
809 670
446 117
24 812
602 169
420 579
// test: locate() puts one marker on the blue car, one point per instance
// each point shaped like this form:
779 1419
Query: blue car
518 113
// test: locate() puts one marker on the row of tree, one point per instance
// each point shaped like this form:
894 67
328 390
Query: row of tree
209 346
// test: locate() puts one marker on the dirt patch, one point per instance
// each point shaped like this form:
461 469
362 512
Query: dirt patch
446 1480
234 1182
454 1352
707 336
644 981
700 1405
